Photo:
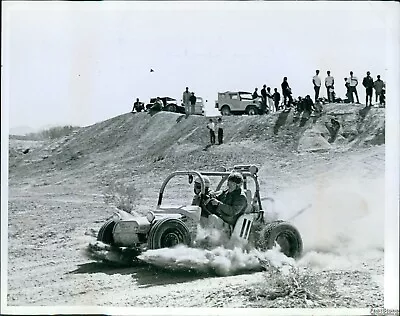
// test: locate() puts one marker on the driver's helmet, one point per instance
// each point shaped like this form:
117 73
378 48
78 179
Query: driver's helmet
197 184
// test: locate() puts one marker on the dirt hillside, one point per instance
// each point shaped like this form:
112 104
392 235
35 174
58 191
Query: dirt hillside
58 200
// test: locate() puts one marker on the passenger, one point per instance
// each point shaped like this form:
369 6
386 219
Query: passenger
197 190
230 203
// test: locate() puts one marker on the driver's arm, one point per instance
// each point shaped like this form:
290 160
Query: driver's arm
238 205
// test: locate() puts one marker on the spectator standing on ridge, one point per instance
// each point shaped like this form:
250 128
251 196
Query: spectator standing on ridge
220 131
368 83
329 84
277 99
353 82
263 99
317 84
186 101
255 94
211 128
286 92
378 86
270 100
192 101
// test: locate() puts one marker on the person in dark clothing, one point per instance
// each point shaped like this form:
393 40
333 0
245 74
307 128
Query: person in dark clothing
368 83
379 85
300 105
382 97
220 131
230 203
192 100
138 106
277 98
255 94
263 99
308 104
157 106
348 94
286 92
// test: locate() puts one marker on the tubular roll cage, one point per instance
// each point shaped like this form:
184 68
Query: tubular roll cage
244 170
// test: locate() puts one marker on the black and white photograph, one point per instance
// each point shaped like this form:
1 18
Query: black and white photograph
200 157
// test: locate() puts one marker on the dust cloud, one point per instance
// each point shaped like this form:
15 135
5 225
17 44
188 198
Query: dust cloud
344 225
218 261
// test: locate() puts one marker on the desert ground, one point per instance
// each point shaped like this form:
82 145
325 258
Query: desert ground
61 191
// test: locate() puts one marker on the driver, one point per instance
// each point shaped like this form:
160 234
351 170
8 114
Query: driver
230 203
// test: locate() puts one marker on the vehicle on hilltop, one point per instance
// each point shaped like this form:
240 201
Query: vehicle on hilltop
240 102
169 104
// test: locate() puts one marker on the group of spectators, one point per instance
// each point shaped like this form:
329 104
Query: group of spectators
270 101
189 101
216 128
369 85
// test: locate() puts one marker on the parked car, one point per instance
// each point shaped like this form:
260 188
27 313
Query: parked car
240 102
199 107
170 104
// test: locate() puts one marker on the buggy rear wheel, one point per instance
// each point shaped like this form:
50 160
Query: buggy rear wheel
285 235
168 233
105 234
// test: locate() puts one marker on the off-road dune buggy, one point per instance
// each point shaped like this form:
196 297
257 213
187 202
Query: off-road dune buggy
168 226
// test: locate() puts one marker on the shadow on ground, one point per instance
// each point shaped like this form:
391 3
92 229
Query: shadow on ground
144 274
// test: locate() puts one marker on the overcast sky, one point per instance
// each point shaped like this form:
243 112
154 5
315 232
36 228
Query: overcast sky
83 62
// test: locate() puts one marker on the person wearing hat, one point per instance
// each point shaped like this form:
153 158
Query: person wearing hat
231 202
192 100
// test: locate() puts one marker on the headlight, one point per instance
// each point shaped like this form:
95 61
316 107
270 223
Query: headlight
150 217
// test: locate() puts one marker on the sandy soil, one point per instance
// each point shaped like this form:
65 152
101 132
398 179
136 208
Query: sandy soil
57 202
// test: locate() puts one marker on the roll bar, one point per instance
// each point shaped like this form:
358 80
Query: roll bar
223 174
